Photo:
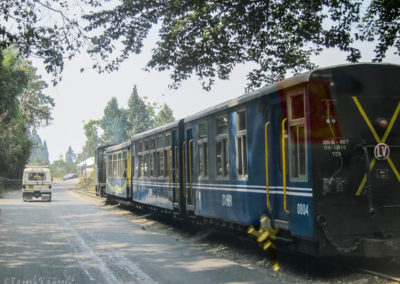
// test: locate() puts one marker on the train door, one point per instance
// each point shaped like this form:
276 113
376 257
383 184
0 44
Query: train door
188 166
292 186
274 165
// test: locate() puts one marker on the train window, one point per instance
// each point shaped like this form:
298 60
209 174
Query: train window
141 166
146 165
202 149
141 160
297 156
133 170
114 165
160 142
109 165
160 163
241 144
297 106
222 147
154 165
165 163
222 125
120 165
167 140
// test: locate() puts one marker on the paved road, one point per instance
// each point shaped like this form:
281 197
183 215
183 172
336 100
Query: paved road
71 240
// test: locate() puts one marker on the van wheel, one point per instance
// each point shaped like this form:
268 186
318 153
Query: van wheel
24 198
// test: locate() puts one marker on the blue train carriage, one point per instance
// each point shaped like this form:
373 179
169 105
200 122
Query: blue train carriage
233 165
228 172
267 153
156 175
100 181
118 170
354 128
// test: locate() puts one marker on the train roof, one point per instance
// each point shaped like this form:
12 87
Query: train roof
157 130
271 89
117 147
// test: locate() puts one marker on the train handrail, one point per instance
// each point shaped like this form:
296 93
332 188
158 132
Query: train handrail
183 169
284 166
176 172
169 173
190 169
266 162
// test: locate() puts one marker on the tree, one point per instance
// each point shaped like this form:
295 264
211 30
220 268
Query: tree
164 116
39 152
70 156
92 138
18 81
206 39
47 29
139 114
15 144
209 38
45 153
114 123
34 105
60 168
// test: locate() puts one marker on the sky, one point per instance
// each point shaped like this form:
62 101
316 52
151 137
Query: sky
80 97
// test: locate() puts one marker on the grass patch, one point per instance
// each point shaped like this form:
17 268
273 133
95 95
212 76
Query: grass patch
86 184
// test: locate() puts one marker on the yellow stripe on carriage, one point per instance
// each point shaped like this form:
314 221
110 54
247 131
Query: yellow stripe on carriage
266 162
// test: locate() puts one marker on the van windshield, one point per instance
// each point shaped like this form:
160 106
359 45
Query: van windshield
37 176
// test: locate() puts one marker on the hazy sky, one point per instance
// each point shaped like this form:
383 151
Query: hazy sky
83 96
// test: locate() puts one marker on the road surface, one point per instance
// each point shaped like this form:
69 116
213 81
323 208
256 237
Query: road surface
71 240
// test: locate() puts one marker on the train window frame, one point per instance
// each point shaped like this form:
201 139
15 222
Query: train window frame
152 157
109 165
297 139
242 157
141 162
202 151
133 162
220 138
114 165
167 145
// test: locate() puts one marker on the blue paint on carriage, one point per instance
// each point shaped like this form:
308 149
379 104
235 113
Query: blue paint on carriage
243 200
155 192
117 186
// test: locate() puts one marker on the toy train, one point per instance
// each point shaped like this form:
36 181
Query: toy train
318 153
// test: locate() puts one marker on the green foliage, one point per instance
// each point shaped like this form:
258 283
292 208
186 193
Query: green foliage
15 146
114 123
60 168
165 115
45 29
35 106
39 152
119 124
139 114
70 156
92 138
208 39
18 82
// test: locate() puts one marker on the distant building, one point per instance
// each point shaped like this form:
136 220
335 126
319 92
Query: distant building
86 167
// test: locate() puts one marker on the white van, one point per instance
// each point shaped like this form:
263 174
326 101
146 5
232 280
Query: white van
36 183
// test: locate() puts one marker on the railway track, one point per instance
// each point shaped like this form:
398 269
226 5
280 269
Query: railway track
379 274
